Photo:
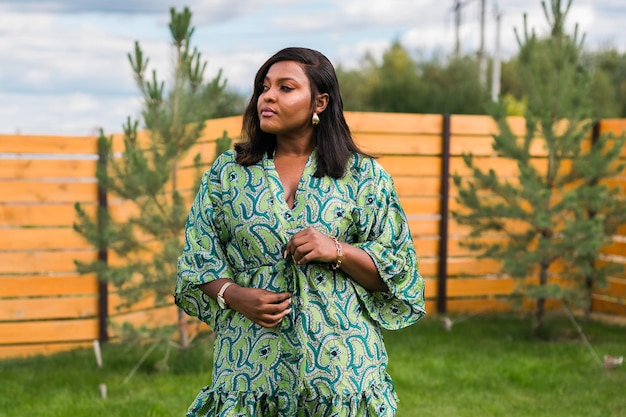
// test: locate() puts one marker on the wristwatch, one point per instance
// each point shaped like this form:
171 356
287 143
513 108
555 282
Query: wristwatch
220 295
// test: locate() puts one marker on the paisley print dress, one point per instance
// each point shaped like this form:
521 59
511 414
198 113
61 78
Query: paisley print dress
327 357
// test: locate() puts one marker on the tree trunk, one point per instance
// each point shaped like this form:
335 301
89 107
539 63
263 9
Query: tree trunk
541 302
588 297
539 313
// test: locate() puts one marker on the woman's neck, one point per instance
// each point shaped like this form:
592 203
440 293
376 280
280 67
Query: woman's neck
294 149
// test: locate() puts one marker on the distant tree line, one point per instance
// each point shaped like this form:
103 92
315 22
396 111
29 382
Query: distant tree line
404 82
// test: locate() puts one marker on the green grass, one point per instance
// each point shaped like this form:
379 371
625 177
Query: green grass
486 366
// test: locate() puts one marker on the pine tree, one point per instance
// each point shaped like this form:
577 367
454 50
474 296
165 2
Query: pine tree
558 210
146 173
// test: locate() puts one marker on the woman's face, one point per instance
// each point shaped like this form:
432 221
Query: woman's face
284 106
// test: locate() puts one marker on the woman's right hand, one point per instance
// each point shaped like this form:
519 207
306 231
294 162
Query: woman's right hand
265 308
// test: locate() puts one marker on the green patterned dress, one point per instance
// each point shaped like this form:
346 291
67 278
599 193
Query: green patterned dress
327 357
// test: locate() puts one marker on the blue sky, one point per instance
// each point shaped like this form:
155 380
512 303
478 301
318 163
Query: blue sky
64 70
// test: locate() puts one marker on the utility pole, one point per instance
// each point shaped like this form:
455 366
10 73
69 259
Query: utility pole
482 56
458 5
457 8
495 76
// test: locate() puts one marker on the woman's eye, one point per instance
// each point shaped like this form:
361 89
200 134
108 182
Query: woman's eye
286 88
264 87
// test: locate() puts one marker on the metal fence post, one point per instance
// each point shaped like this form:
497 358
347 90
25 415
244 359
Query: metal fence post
103 289
442 292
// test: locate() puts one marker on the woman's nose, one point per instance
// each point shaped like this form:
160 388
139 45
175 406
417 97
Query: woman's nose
268 95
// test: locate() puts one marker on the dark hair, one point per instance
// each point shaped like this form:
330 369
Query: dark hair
331 136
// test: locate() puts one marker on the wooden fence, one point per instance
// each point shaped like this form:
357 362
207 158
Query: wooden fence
46 306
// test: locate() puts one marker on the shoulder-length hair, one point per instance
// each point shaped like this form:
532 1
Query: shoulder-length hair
331 136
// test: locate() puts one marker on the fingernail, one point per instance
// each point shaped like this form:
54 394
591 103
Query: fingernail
288 311
285 254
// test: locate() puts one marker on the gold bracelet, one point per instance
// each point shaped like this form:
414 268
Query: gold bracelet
337 264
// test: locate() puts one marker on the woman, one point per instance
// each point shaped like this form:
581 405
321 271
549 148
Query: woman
297 252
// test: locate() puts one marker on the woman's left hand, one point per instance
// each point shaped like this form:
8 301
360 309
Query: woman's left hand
311 245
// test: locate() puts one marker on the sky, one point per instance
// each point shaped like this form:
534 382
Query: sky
64 68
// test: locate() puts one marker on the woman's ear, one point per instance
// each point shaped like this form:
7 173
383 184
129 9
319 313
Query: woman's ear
321 101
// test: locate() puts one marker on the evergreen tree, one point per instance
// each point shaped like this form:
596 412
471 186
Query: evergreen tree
609 79
397 86
146 174
452 87
405 84
558 210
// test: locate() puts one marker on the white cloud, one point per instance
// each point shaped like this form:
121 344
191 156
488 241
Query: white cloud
64 66
71 114
391 12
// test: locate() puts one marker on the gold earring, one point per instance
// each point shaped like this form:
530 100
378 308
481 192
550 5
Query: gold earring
315 119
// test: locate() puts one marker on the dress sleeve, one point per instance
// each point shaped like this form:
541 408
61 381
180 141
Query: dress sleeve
203 258
383 232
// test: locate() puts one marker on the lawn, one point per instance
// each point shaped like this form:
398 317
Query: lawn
485 366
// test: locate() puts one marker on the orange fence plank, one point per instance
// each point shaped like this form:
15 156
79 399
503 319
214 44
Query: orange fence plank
421 205
35 286
45 308
456 230
430 288
426 247
186 179
48 144
19 215
42 262
41 239
476 145
123 210
621 263
478 305
472 266
48 331
428 267
615 248
606 305
615 126
394 122
117 307
47 169
417 186
504 167
21 351
431 306
461 124
398 144
117 140
480 287
411 165
616 288
205 151
423 227
214 129
156 316
483 146
456 248
48 192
